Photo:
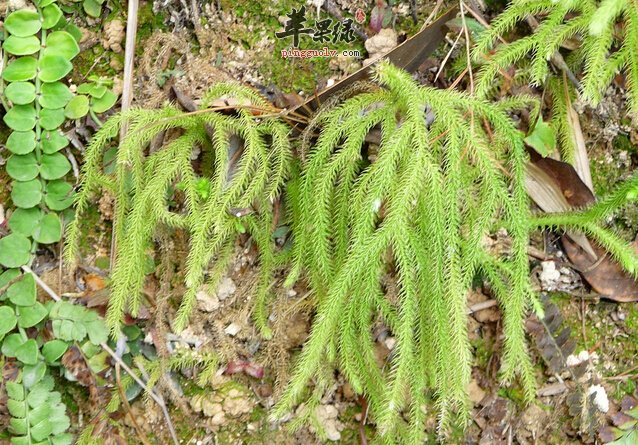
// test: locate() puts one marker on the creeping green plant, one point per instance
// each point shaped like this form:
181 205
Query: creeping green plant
38 51
37 414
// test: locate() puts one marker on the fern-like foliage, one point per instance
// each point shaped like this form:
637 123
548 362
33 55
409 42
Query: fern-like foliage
420 210
246 160
608 30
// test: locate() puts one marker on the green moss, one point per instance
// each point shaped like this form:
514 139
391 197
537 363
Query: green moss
623 389
599 328
632 317
483 350
94 62
92 226
514 393
148 23
5 180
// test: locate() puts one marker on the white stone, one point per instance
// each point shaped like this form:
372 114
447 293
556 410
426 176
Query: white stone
207 302
600 399
549 275
381 43
232 329
327 417
575 360
226 288
390 343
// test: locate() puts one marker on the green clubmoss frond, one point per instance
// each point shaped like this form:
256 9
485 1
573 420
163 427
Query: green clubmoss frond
250 158
407 209
604 52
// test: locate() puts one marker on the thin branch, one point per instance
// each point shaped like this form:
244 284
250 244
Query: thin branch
127 406
129 57
467 47
127 88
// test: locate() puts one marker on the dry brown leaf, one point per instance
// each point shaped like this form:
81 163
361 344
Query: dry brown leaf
552 187
581 160
556 187
605 276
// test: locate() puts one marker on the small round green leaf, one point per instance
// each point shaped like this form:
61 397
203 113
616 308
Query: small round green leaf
98 332
19 425
20 118
23 23
8 320
51 16
50 119
21 142
26 194
53 67
49 229
58 195
10 344
22 46
23 292
54 166
44 3
29 316
41 430
6 277
27 352
24 221
15 390
77 107
20 93
61 43
24 68
104 103
92 89
38 395
15 250
98 91
92 8
23 167
31 375
74 31
54 95
542 138
53 141
53 350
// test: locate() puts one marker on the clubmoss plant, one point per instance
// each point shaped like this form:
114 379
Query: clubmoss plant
608 34
409 211
420 211
246 159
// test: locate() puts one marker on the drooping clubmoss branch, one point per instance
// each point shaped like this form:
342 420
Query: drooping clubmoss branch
249 158
604 51
422 207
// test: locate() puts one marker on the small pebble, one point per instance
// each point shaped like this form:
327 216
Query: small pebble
232 329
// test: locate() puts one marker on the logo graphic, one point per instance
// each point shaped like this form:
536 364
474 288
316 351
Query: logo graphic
327 30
